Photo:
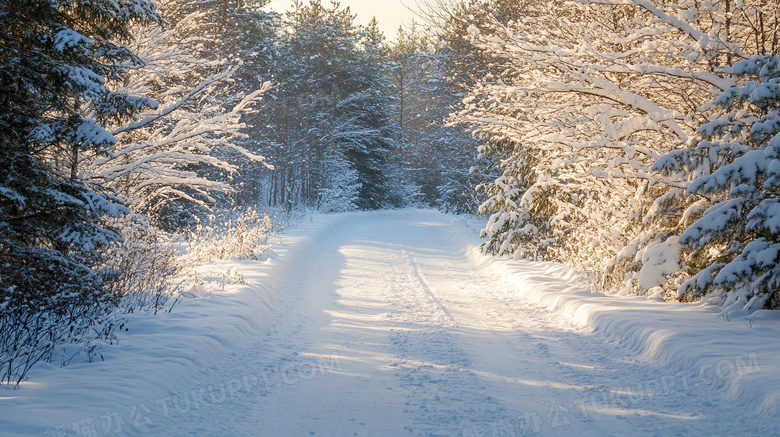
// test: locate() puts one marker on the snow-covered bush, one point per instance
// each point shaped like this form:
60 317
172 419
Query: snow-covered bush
238 233
733 249
341 192
45 314
141 271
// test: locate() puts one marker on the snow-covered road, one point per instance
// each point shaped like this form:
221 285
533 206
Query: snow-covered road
391 324
388 329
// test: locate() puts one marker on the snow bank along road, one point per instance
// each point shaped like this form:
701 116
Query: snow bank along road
392 324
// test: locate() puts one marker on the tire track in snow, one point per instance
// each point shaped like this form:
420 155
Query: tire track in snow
434 371
507 358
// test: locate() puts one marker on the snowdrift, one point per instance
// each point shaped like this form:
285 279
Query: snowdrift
159 354
700 345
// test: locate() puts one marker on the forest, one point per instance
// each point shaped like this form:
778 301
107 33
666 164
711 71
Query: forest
637 141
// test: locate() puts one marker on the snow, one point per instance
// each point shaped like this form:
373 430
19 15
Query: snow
87 79
756 255
658 261
715 219
100 202
474 31
13 196
89 132
394 323
701 280
765 216
629 126
67 39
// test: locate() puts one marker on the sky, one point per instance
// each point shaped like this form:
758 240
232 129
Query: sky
390 13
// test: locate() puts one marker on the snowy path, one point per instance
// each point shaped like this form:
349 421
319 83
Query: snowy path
387 329
391 324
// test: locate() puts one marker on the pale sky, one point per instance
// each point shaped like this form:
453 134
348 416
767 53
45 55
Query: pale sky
390 13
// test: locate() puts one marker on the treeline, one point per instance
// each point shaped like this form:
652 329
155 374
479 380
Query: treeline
354 121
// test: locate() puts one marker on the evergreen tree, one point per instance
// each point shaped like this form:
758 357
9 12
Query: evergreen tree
733 249
413 85
370 154
433 159
325 120
55 59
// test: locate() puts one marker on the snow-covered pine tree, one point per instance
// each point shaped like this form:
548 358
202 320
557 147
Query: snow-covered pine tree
325 114
315 49
55 60
407 85
432 160
370 150
733 249
576 112
257 32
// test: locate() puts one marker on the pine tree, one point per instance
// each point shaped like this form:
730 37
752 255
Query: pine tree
325 120
733 249
370 154
55 59
432 160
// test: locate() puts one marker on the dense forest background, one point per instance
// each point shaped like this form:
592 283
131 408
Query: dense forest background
635 140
